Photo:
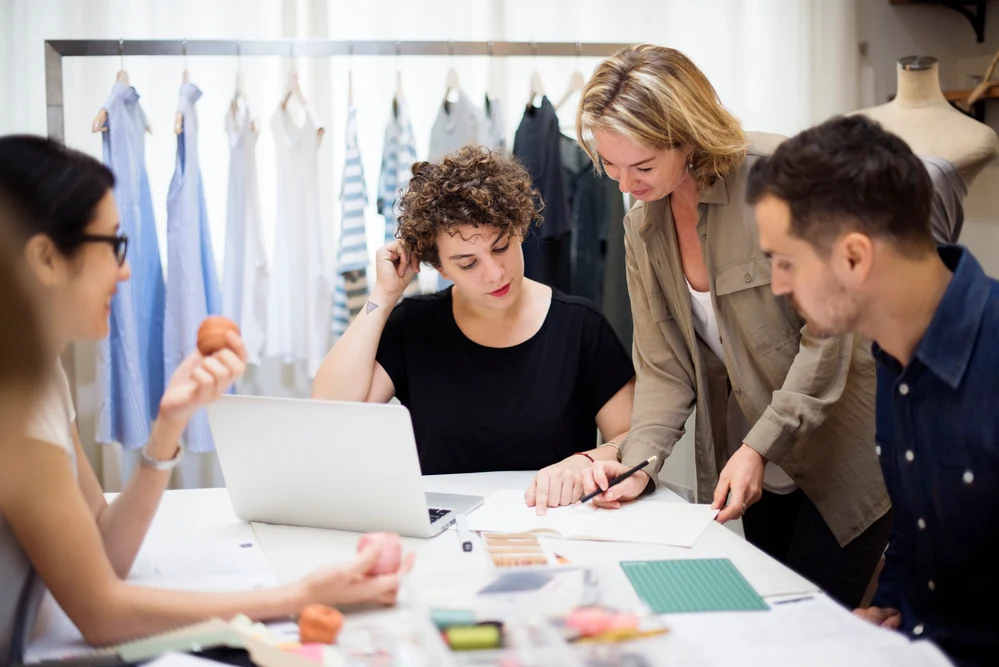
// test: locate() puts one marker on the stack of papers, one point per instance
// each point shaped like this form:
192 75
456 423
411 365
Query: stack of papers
673 524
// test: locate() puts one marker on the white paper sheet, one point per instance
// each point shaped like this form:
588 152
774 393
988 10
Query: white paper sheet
674 524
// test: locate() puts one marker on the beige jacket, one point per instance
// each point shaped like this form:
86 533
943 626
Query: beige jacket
810 400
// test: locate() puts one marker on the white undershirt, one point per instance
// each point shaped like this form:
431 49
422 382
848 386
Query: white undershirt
775 479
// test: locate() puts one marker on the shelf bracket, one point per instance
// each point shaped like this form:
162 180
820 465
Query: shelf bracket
973 10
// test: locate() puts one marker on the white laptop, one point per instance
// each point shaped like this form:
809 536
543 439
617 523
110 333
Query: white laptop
342 466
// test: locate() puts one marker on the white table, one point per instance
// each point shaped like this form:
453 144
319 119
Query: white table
191 543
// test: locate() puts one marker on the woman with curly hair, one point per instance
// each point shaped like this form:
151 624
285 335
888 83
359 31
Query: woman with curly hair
499 372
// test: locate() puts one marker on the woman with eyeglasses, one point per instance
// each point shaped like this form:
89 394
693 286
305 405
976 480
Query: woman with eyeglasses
61 530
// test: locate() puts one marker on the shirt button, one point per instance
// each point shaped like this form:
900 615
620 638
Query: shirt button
748 278
903 389
932 586
877 450
918 630
909 456
969 477
704 237
738 392
921 523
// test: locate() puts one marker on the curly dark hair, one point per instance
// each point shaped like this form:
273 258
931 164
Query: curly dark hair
471 186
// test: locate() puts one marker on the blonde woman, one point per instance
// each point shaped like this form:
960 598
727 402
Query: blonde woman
785 416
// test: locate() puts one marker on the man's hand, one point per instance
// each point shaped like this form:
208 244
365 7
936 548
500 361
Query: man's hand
743 476
558 484
885 617
599 475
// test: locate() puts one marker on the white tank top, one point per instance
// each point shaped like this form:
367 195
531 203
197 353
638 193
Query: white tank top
775 479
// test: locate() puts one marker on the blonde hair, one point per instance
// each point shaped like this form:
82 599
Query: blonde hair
658 98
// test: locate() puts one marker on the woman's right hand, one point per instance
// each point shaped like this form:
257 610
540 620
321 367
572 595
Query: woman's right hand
599 475
395 267
351 584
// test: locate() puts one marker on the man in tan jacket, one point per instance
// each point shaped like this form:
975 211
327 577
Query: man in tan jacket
785 420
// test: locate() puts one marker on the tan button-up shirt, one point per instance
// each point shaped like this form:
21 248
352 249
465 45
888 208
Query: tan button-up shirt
810 400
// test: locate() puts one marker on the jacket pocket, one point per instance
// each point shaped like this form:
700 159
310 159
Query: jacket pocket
766 321
658 308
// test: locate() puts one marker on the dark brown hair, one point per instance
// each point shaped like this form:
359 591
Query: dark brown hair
21 352
848 174
56 188
472 186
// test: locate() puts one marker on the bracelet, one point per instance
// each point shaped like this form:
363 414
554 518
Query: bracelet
617 456
592 460
159 464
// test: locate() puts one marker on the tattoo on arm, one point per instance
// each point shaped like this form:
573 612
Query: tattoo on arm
370 307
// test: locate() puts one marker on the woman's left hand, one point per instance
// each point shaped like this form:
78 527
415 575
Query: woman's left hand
199 380
558 484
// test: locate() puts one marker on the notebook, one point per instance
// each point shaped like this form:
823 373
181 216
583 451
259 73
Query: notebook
650 522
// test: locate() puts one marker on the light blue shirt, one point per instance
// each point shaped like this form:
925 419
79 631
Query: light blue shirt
192 287
130 361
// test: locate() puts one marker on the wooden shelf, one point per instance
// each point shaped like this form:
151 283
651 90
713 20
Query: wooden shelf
973 10
991 93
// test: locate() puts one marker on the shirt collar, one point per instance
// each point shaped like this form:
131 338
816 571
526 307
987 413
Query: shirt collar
946 347
717 193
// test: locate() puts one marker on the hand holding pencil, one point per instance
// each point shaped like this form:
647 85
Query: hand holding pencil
609 483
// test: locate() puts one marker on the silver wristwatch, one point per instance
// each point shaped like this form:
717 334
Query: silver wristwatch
158 464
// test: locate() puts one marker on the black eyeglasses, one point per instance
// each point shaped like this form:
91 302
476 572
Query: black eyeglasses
119 243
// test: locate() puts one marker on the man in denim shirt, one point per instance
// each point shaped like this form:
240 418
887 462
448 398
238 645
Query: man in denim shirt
843 211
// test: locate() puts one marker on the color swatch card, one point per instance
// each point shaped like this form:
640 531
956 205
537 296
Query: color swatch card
645 521
688 585
516 550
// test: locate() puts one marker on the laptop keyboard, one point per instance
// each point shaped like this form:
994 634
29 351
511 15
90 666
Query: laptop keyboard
436 514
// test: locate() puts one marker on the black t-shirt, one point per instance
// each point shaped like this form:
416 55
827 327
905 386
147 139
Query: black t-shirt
478 409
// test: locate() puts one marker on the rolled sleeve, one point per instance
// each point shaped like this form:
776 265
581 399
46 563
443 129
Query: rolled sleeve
813 385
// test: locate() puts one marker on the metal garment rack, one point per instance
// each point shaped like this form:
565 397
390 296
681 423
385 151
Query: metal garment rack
57 49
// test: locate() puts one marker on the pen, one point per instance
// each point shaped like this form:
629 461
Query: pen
620 478
464 536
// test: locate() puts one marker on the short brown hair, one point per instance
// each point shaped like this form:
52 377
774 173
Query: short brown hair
849 175
658 98
472 186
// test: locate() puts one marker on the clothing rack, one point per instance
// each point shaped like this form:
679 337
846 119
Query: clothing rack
57 49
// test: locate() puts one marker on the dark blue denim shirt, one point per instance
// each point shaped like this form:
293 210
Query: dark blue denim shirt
938 441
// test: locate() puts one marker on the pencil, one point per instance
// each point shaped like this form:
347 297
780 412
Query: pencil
620 478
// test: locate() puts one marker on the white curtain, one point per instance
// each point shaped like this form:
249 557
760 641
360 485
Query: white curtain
780 65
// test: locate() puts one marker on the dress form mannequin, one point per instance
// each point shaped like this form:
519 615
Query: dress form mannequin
921 116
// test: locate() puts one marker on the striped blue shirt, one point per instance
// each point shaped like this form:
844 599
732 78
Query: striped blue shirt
353 253
130 360
398 156
192 286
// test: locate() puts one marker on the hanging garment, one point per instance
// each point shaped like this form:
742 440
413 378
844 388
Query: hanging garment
130 361
244 280
494 136
947 208
301 296
537 145
457 124
352 260
398 156
588 213
616 302
192 291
